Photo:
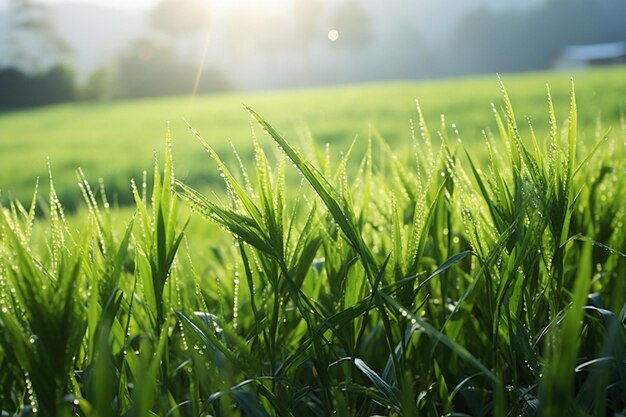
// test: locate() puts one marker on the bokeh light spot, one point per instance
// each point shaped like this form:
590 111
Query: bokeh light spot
333 35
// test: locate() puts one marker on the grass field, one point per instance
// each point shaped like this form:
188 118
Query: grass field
413 277
115 141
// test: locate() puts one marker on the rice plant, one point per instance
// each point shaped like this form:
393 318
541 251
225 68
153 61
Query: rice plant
376 284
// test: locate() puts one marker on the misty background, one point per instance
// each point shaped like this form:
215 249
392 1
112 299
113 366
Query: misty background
54 51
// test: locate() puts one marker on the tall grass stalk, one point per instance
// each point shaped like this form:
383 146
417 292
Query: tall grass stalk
431 283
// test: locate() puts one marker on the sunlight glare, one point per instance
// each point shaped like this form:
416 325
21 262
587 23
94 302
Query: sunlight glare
333 35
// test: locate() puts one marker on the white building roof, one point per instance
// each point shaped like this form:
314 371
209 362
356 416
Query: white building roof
593 52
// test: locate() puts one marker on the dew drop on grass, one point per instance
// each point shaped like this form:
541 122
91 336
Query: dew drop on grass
236 299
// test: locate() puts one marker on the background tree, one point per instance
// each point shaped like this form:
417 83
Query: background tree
32 44
487 41
56 85
306 36
307 15
150 68
354 25
179 20
31 72
350 60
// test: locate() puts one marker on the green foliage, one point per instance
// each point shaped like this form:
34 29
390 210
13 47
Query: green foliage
416 283
55 85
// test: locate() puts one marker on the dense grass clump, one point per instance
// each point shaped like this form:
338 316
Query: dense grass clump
422 284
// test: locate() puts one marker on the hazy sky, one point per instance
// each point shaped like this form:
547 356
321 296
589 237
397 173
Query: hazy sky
119 4
138 5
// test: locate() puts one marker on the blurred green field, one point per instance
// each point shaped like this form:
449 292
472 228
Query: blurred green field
115 140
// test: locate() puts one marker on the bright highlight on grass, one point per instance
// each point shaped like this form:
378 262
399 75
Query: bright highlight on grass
424 284
333 35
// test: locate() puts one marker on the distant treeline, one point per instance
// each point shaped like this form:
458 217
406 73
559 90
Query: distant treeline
151 69
147 70
513 41
18 90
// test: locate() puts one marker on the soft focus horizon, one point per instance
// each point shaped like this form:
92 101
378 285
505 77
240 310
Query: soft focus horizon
101 49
